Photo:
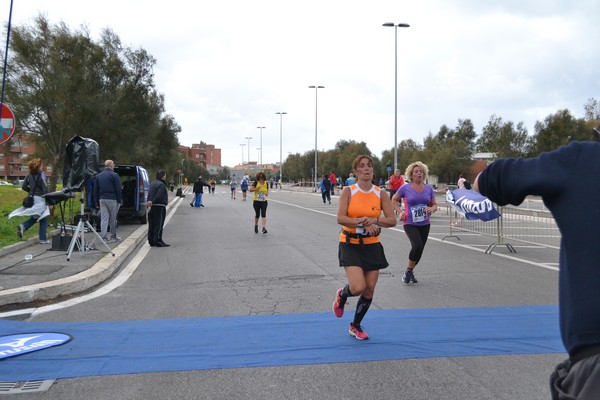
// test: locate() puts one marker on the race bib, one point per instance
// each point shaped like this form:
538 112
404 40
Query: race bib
261 197
418 213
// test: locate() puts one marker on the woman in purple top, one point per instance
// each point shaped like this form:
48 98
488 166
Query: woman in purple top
418 203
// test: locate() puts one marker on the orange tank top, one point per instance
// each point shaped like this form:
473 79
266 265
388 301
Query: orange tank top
363 204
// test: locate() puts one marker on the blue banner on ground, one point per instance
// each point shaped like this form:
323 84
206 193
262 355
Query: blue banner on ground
127 347
472 205
14 345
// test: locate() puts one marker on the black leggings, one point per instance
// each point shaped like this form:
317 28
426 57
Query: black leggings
417 234
260 208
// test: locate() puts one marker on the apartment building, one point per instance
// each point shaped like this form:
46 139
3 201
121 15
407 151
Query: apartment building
14 156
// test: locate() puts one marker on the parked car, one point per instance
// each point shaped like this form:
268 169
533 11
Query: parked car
18 181
4 183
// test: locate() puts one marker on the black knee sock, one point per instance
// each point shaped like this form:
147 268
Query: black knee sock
345 294
361 309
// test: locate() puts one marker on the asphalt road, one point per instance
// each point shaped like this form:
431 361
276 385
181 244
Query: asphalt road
218 266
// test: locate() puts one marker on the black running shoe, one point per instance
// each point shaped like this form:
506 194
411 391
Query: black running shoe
406 277
412 277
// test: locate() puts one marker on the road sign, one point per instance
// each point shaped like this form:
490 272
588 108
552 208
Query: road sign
7 121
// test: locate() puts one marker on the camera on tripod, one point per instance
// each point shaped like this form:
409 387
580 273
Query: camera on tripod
81 164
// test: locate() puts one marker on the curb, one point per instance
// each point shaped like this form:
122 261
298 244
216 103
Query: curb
80 282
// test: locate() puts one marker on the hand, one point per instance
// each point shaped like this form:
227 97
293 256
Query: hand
373 229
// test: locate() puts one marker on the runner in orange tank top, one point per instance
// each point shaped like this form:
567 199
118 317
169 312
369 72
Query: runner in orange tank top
360 252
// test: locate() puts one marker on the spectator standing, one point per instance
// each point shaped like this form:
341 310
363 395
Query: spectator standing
351 180
333 180
565 179
359 250
198 191
158 198
396 180
34 184
108 199
461 181
419 203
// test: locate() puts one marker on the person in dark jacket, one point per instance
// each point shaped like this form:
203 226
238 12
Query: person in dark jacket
108 199
158 198
325 186
198 191
566 179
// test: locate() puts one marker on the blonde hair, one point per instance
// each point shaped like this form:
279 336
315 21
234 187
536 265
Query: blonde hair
411 166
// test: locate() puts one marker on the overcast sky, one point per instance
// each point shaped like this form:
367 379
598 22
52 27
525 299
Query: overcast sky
226 67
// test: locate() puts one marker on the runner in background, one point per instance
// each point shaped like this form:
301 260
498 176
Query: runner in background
418 201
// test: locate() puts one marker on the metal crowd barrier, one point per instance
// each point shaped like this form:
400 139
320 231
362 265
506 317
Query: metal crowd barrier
525 224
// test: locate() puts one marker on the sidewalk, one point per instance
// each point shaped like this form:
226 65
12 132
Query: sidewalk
48 275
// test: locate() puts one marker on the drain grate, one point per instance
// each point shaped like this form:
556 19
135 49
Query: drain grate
25 387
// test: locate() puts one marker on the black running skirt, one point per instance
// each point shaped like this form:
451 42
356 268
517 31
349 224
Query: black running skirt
369 257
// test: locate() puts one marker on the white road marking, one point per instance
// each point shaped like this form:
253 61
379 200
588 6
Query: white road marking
119 280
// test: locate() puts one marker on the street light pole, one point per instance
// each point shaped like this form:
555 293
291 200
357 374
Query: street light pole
281 113
248 138
242 144
261 148
396 26
316 110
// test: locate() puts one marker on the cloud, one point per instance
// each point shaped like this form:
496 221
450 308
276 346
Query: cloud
227 67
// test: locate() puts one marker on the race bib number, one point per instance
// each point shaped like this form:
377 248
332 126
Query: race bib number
418 213
261 197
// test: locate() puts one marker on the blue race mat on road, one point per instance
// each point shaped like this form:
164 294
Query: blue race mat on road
127 347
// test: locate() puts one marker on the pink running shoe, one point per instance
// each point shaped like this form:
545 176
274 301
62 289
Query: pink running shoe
338 307
357 332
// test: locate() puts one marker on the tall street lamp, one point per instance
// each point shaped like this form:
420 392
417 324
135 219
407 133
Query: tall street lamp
248 138
261 128
396 26
242 144
316 108
281 113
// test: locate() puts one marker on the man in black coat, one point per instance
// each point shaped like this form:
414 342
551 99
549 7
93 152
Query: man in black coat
198 191
158 198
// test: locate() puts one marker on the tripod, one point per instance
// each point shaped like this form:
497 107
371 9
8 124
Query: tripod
79 234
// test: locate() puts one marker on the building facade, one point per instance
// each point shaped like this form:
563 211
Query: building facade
202 154
14 156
